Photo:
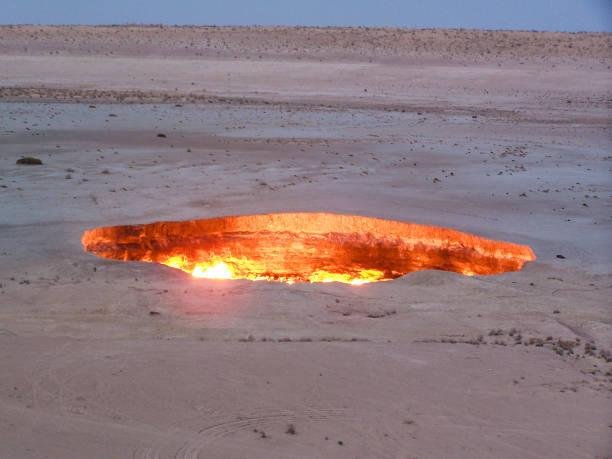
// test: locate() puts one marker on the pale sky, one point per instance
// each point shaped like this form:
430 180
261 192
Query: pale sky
563 15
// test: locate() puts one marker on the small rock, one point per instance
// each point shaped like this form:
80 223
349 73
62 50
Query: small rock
29 161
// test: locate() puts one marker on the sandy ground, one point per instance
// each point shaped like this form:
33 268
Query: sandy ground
502 134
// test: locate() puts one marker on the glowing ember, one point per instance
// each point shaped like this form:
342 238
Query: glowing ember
305 247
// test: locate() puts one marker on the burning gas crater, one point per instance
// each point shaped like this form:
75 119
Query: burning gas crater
305 247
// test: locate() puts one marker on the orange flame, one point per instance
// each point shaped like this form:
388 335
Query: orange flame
234 268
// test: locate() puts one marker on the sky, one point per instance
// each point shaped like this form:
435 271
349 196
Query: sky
561 15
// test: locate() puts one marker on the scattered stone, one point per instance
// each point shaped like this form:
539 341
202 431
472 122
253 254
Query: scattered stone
381 314
29 161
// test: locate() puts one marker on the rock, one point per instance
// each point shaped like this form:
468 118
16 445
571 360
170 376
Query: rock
30 161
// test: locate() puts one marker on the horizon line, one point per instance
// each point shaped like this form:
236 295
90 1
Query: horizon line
296 26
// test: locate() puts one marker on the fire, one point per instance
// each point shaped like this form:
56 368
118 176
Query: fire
219 270
234 268
305 247
212 270
363 276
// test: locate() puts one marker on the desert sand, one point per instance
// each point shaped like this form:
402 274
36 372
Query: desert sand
502 134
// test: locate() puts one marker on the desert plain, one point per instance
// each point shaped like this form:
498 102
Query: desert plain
502 134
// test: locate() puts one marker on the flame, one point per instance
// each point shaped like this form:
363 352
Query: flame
212 270
305 247
219 270
363 276
242 268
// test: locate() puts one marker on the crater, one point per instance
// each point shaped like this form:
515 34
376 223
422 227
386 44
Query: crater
305 247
